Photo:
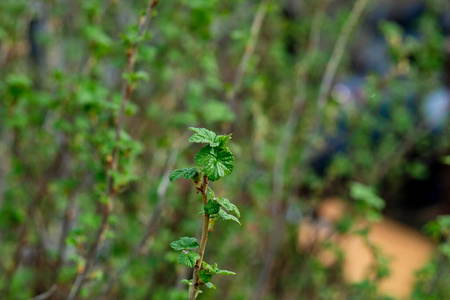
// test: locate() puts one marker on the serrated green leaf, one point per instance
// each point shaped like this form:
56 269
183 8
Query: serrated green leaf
203 135
209 285
185 243
216 163
205 276
188 259
207 266
186 173
225 272
211 193
223 140
215 270
226 216
212 208
228 205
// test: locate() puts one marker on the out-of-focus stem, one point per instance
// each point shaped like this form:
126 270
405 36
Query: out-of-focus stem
152 223
107 207
279 203
249 50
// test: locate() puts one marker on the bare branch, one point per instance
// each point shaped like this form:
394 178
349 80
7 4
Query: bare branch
46 294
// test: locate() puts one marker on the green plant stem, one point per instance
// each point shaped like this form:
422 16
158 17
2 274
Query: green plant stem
201 252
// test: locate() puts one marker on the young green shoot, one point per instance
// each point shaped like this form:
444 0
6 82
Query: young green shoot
214 161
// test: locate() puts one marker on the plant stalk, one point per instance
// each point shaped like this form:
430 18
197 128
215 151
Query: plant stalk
195 276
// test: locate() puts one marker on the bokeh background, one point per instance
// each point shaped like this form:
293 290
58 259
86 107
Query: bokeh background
341 99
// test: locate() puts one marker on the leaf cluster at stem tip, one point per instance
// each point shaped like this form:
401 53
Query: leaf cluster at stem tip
215 159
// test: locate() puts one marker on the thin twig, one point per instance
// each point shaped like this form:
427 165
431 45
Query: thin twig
195 278
249 51
69 214
126 92
47 294
283 150
52 172
329 76
5 166
387 163
16 262
279 205
151 225
299 100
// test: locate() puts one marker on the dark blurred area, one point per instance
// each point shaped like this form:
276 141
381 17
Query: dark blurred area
417 200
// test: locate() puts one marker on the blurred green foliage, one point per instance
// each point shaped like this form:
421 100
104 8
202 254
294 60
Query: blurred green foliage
61 74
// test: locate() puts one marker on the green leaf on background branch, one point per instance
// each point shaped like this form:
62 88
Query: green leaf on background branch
367 195
367 201
439 228
445 250
134 77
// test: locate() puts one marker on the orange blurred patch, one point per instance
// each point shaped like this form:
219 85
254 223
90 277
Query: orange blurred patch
407 249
